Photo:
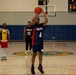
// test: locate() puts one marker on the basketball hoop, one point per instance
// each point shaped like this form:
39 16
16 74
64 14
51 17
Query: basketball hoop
51 10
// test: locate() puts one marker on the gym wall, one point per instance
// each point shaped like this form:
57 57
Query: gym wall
16 13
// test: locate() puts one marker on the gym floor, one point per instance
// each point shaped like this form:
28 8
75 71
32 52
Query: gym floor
59 58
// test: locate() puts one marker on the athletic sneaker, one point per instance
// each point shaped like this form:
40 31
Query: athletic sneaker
29 51
40 68
4 58
26 52
32 70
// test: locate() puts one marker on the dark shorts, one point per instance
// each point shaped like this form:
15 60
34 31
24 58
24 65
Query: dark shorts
37 48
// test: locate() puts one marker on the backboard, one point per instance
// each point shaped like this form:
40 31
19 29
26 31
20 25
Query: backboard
49 9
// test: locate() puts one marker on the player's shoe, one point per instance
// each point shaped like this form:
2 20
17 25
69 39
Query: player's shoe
26 52
2 58
32 70
5 58
29 51
40 68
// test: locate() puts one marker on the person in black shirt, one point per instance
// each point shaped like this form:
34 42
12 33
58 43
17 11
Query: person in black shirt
28 36
37 40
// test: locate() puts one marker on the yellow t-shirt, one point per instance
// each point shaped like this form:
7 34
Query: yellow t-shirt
4 34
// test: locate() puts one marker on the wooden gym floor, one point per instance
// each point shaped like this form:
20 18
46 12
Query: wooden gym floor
59 58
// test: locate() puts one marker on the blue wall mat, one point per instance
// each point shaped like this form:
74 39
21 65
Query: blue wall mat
71 32
74 32
51 32
61 36
46 33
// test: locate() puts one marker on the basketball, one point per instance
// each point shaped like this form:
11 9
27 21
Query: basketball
38 10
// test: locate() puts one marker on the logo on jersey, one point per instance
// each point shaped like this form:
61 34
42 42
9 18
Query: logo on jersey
39 29
28 29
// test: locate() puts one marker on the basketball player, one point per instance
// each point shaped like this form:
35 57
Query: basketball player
28 36
37 40
5 37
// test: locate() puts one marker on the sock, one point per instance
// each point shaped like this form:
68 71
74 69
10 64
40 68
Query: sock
1 52
4 52
40 64
32 65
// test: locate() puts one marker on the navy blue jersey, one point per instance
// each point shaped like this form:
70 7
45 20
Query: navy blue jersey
37 34
28 32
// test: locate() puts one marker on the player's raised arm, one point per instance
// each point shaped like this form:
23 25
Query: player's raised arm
37 11
45 19
34 18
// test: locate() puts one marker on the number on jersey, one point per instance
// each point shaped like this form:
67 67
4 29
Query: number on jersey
40 35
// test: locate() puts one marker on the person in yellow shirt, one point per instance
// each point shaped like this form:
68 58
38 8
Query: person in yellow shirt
5 37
